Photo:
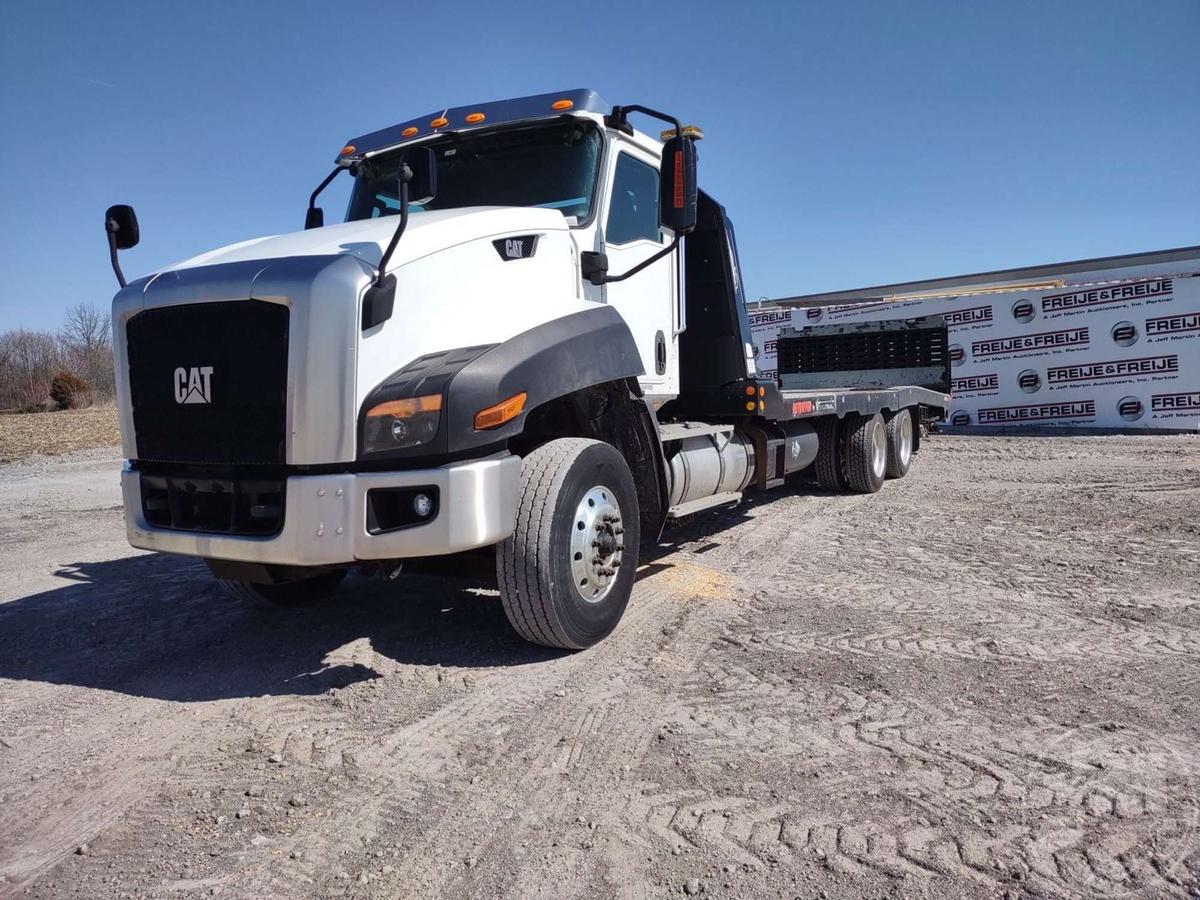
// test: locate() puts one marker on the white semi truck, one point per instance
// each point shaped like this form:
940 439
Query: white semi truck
527 339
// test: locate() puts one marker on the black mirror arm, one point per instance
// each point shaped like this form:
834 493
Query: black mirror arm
312 201
619 117
405 176
111 227
602 278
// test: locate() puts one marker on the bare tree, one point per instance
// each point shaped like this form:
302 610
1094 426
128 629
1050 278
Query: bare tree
29 359
86 344
85 330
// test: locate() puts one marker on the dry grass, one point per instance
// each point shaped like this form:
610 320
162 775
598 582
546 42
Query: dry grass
51 433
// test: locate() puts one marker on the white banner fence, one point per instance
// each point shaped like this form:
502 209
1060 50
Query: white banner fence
1117 354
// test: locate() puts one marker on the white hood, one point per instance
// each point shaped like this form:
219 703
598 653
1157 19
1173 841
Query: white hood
427 232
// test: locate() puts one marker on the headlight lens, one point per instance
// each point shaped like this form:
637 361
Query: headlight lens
396 424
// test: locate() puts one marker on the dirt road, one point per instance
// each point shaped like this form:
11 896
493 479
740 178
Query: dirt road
981 682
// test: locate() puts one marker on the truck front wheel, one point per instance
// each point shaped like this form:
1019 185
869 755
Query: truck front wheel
567 571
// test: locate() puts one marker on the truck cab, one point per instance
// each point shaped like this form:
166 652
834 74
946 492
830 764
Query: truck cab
527 338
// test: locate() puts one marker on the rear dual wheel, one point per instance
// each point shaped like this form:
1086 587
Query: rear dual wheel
858 452
900 443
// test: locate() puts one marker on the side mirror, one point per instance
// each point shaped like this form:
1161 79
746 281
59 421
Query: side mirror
121 222
314 218
679 192
422 180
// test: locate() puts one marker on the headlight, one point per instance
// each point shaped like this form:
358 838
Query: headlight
396 424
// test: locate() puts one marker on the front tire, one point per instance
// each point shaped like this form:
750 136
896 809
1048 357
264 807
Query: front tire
300 592
567 570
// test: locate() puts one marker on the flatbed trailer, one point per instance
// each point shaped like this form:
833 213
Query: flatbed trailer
528 340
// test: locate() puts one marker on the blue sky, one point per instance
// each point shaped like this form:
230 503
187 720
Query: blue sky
853 143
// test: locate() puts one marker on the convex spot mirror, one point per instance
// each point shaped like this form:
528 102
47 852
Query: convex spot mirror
422 181
678 188
121 222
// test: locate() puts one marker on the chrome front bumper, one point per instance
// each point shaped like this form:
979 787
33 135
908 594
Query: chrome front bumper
325 518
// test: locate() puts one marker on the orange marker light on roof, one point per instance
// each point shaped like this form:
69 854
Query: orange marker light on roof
474 117
562 104
439 122
409 131
347 150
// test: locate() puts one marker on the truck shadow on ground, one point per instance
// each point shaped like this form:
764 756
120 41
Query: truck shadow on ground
158 626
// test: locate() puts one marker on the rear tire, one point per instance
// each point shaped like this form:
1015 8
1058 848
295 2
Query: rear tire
866 453
899 444
567 571
302 592
828 464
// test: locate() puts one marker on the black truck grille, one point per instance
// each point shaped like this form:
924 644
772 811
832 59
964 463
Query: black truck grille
208 382
222 505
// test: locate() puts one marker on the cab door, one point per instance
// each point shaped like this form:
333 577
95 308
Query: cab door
646 301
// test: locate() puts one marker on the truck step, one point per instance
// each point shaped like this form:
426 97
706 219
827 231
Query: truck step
677 431
695 506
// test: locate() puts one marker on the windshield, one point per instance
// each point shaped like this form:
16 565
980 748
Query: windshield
553 167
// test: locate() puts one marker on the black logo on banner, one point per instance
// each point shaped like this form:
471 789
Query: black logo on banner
1023 311
1029 381
1124 334
1129 408
956 354
814 313
961 418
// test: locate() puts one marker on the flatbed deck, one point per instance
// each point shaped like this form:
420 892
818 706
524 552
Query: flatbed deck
804 403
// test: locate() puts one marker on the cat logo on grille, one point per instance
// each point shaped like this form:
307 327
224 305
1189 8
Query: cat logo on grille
193 385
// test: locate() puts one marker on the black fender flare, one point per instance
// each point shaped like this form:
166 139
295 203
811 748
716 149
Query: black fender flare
546 362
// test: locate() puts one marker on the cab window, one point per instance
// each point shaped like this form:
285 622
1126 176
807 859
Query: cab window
633 211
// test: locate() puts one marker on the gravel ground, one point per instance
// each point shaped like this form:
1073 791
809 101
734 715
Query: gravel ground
980 682
55 433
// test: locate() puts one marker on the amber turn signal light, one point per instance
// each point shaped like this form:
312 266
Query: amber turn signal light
502 412
403 409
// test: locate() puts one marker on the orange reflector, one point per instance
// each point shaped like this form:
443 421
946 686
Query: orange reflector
500 413
749 390
403 409
749 406
348 149
409 131
472 118
762 392
562 104
439 122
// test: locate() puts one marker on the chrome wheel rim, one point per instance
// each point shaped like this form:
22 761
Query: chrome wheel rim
878 450
597 544
906 439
